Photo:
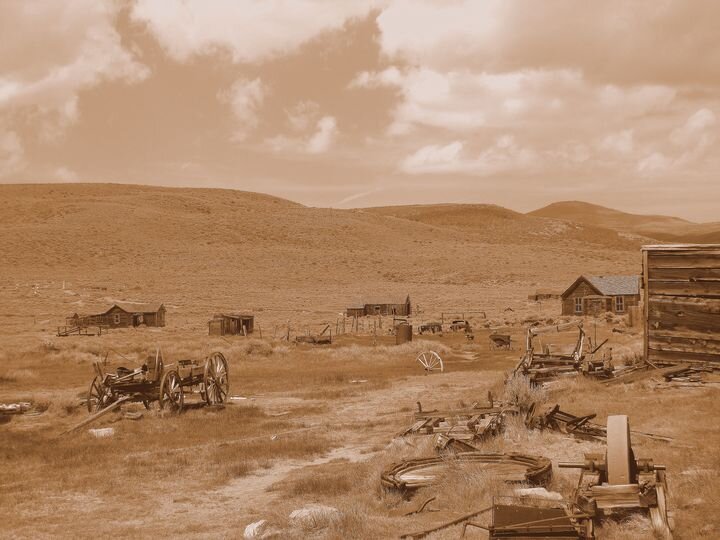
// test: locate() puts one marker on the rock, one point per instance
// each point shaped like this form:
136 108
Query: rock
314 516
102 432
539 493
256 529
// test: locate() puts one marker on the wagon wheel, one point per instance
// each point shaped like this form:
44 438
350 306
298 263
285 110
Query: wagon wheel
215 379
99 395
172 396
430 360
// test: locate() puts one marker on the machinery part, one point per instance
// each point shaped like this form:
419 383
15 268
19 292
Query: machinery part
430 361
215 379
99 395
512 468
172 396
619 454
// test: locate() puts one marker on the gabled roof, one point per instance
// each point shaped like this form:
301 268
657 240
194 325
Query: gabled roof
608 285
233 316
132 307
375 301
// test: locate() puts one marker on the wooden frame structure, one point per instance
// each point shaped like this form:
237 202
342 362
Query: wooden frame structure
681 291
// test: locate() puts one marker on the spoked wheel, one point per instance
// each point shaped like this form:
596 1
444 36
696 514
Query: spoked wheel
172 396
99 396
215 379
430 361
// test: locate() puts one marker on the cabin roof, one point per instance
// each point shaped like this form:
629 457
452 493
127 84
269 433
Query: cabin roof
608 285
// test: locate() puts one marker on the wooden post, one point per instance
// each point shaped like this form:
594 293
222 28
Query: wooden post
646 307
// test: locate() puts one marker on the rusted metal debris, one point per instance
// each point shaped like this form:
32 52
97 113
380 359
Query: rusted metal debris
617 480
475 423
545 365
512 468
500 341
9 410
578 426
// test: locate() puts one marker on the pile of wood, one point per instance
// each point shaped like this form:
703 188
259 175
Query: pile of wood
472 424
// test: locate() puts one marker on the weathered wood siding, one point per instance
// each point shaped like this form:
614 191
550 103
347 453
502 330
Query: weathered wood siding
118 318
682 303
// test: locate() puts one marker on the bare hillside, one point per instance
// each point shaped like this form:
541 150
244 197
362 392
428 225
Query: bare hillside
203 250
659 227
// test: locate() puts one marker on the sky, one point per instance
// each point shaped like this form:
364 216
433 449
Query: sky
350 104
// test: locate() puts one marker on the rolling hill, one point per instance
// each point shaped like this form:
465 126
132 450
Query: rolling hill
66 246
663 228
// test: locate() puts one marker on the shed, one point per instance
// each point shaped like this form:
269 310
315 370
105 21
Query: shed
381 306
593 295
231 324
123 315
682 302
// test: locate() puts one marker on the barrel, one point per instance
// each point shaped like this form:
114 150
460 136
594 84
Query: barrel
403 333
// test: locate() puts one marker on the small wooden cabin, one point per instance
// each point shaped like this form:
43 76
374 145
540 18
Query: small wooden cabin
122 315
595 295
381 306
682 302
231 324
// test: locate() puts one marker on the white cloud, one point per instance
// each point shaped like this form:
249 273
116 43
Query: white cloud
317 141
655 163
244 97
324 136
80 48
503 155
303 115
695 128
372 79
12 154
251 31
621 142
65 174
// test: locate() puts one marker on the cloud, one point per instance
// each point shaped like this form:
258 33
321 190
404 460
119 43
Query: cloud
245 98
696 130
53 51
324 136
251 31
621 142
65 174
612 42
317 140
503 155
12 154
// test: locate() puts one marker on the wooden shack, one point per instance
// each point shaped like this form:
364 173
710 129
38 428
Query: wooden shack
682 302
381 306
231 324
595 295
122 315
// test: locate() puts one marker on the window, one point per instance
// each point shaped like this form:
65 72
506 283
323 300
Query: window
578 305
116 318
619 303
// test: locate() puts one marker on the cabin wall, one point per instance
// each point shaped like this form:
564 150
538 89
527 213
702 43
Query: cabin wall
682 299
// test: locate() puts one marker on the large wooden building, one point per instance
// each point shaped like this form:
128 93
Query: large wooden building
122 315
682 302
594 295
381 306
231 324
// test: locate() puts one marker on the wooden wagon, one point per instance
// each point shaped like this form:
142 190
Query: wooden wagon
156 381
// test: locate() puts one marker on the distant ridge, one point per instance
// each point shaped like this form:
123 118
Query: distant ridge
666 228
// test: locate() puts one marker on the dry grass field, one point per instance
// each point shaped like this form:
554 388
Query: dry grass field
310 425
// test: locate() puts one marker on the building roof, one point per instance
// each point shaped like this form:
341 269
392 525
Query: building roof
233 316
379 301
609 285
136 307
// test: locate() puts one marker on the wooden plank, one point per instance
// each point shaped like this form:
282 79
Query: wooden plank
687 274
684 344
678 313
655 355
709 289
645 304
681 247
698 259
